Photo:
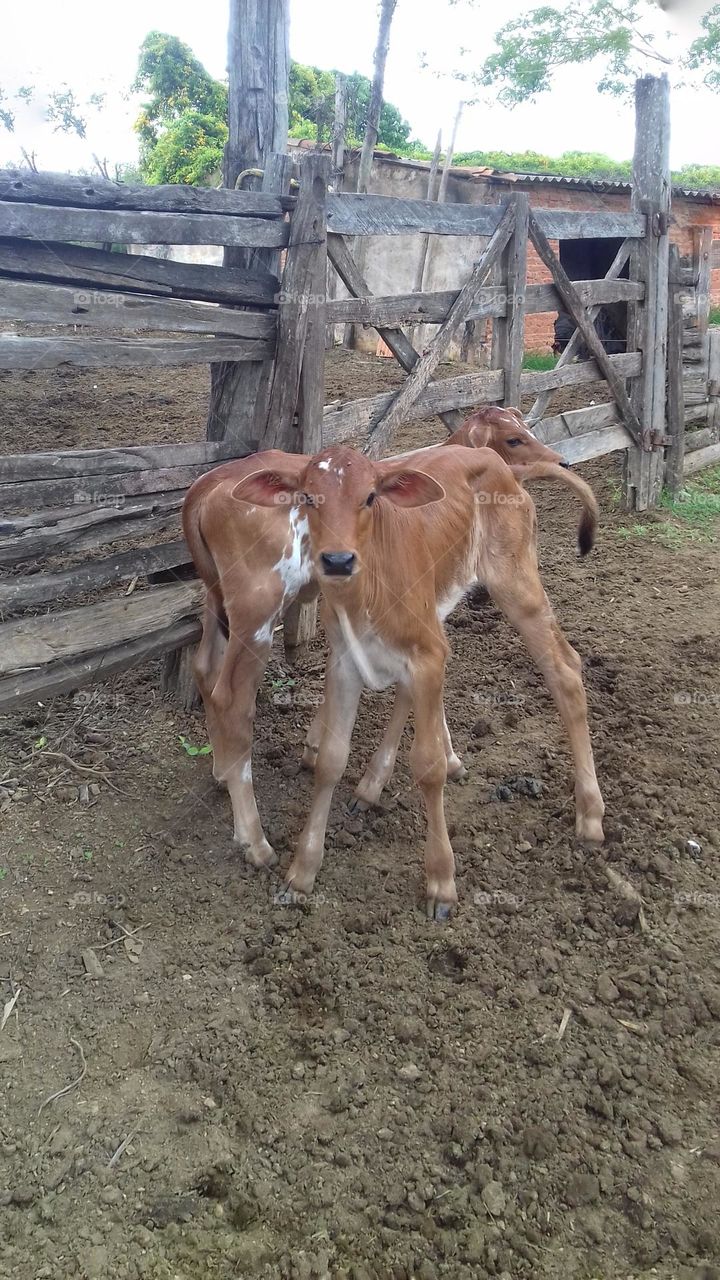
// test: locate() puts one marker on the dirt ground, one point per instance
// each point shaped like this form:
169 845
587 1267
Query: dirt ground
343 1089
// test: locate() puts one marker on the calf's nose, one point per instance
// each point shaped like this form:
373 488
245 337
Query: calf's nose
338 564
566 465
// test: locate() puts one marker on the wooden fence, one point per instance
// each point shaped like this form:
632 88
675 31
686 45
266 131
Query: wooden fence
693 365
78 525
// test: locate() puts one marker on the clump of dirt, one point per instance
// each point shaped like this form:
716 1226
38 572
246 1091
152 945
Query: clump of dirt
343 1089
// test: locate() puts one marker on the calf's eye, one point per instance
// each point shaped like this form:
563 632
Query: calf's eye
513 443
370 499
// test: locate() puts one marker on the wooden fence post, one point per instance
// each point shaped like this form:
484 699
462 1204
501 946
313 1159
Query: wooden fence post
516 291
676 396
650 262
297 393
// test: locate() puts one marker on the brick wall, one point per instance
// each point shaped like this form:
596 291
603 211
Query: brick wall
391 265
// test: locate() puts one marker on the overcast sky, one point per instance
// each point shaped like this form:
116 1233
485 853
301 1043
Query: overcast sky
90 46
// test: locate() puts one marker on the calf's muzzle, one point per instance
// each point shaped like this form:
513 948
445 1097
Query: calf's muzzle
337 564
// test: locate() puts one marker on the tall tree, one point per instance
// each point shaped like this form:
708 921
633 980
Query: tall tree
387 11
624 40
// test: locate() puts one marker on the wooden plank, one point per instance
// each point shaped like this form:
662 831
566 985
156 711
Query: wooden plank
50 532
647 324
62 637
75 463
574 305
401 347
301 287
576 422
41 303
239 393
701 458
517 288
432 308
714 377
417 380
371 215
123 353
23 185
626 365
42 588
702 239
595 444
350 421
43 222
98 269
311 397
695 440
675 399
106 490
67 676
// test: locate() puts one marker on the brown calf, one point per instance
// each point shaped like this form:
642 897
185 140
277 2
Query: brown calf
255 563
394 546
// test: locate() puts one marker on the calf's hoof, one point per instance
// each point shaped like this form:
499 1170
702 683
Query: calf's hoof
440 902
589 830
358 805
260 855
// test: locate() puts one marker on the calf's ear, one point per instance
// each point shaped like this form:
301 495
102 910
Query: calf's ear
479 435
406 487
267 488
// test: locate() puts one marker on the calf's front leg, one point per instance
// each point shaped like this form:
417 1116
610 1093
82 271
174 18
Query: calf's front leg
429 764
343 687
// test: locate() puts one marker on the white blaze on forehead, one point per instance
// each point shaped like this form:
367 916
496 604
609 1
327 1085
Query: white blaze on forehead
324 465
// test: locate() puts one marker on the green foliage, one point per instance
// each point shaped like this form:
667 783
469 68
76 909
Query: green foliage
715 315
189 150
182 125
704 53
192 751
620 38
63 108
539 360
581 164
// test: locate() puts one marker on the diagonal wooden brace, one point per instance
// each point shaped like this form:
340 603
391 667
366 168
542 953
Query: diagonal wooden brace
403 350
417 381
574 304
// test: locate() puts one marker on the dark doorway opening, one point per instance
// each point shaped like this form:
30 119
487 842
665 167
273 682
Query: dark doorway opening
590 260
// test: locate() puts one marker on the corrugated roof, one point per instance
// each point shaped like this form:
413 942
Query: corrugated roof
480 173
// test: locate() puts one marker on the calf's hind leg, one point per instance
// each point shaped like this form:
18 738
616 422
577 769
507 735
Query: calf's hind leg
519 594
230 713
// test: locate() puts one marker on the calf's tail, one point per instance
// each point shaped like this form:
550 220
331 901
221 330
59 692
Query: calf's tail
552 471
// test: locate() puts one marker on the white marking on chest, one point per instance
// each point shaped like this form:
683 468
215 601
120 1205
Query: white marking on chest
294 566
377 664
448 602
